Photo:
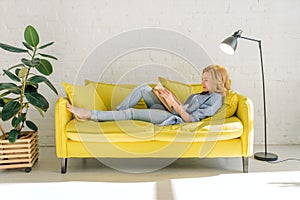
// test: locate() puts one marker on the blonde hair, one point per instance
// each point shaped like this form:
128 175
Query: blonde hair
219 78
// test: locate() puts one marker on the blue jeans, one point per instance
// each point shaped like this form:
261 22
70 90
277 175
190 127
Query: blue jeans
155 113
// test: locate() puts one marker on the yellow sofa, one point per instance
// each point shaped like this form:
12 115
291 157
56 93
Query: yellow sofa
229 133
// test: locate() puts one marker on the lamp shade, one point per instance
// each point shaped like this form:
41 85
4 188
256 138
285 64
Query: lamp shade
229 45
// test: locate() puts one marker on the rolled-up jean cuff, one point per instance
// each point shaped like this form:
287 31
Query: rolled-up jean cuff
94 116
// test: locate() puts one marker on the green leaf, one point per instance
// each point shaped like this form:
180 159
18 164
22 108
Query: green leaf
8 86
38 79
31 36
31 125
48 56
33 84
17 120
45 67
1 103
4 94
16 91
12 49
13 136
11 76
6 100
18 65
40 111
51 86
36 61
46 45
30 88
29 63
37 100
17 71
10 109
14 122
27 46
26 62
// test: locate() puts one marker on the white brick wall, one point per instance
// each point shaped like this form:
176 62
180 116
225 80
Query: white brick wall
79 27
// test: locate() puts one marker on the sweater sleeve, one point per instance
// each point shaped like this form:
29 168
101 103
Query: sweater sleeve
206 107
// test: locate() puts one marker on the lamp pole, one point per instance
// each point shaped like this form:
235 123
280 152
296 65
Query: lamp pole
232 43
264 156
264 99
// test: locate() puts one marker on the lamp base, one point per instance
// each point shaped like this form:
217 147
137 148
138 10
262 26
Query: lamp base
263 156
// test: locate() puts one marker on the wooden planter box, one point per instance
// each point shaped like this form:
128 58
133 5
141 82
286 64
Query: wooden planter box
22 154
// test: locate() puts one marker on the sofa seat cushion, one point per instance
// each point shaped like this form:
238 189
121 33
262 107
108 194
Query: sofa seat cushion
206 130
112 131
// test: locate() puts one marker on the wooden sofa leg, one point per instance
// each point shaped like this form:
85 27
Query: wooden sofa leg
245 164
64 162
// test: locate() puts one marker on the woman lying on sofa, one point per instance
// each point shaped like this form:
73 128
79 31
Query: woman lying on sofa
215 82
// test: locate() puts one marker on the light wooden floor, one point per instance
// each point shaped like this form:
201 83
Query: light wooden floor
47 169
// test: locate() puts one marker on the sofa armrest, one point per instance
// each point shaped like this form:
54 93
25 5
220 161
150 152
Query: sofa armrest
245 114
62 117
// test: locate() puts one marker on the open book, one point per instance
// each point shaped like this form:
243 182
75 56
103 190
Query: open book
156 91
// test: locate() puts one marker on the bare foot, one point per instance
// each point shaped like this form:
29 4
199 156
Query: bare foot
80 113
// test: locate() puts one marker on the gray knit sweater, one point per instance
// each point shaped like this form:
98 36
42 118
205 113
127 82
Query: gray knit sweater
198 106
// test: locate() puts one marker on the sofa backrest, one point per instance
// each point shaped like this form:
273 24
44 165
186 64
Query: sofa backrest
112 94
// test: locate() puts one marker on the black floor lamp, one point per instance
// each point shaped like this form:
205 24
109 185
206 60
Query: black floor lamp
229 46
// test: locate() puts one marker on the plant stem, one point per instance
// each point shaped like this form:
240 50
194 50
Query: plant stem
3 132
24 80
22 98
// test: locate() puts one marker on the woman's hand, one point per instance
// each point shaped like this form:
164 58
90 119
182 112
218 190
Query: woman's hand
168 96
172 101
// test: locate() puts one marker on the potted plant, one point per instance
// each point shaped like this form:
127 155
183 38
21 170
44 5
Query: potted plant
22 91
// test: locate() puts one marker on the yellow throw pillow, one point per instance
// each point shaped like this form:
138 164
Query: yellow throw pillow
111 94
84 96
181 90
197 88
229 107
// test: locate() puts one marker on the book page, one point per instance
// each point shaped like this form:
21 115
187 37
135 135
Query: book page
156 91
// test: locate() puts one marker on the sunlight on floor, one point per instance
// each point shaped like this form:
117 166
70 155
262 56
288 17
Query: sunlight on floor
79 190
269 185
